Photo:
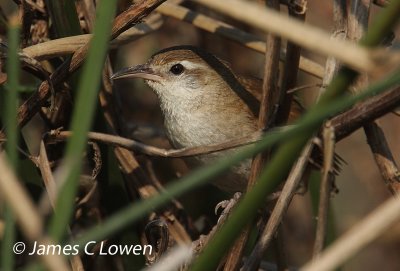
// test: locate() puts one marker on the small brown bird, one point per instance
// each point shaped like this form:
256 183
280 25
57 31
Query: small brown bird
204 102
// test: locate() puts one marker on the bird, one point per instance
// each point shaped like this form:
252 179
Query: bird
204 102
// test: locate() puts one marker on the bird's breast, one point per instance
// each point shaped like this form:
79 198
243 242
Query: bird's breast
194 127
198 127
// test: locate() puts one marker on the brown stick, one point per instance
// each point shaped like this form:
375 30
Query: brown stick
331 69
51 188
325 189
68 45
230 32
383 157
279 210
364 112
358 24
311 38
269 100
154 151
48 202
132 15
290 71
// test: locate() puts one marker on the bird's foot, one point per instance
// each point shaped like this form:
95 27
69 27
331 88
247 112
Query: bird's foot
227 205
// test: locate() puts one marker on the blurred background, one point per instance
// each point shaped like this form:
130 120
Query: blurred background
361 187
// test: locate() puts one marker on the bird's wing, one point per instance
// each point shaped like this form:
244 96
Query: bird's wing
254 86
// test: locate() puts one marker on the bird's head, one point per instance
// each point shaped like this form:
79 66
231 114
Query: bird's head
176 72
189 75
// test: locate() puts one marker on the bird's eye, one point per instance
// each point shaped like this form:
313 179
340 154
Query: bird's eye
177 69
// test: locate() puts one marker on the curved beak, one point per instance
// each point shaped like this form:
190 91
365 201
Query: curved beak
139 71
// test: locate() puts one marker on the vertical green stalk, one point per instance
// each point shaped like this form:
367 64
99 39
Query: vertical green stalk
10 122
65 20
12 88
7 254
64 17
82 119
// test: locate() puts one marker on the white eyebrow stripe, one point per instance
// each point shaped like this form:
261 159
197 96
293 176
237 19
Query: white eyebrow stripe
191 65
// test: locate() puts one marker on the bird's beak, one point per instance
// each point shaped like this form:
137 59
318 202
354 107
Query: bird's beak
139 71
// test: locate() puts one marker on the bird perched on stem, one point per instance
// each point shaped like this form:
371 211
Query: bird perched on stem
203 102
